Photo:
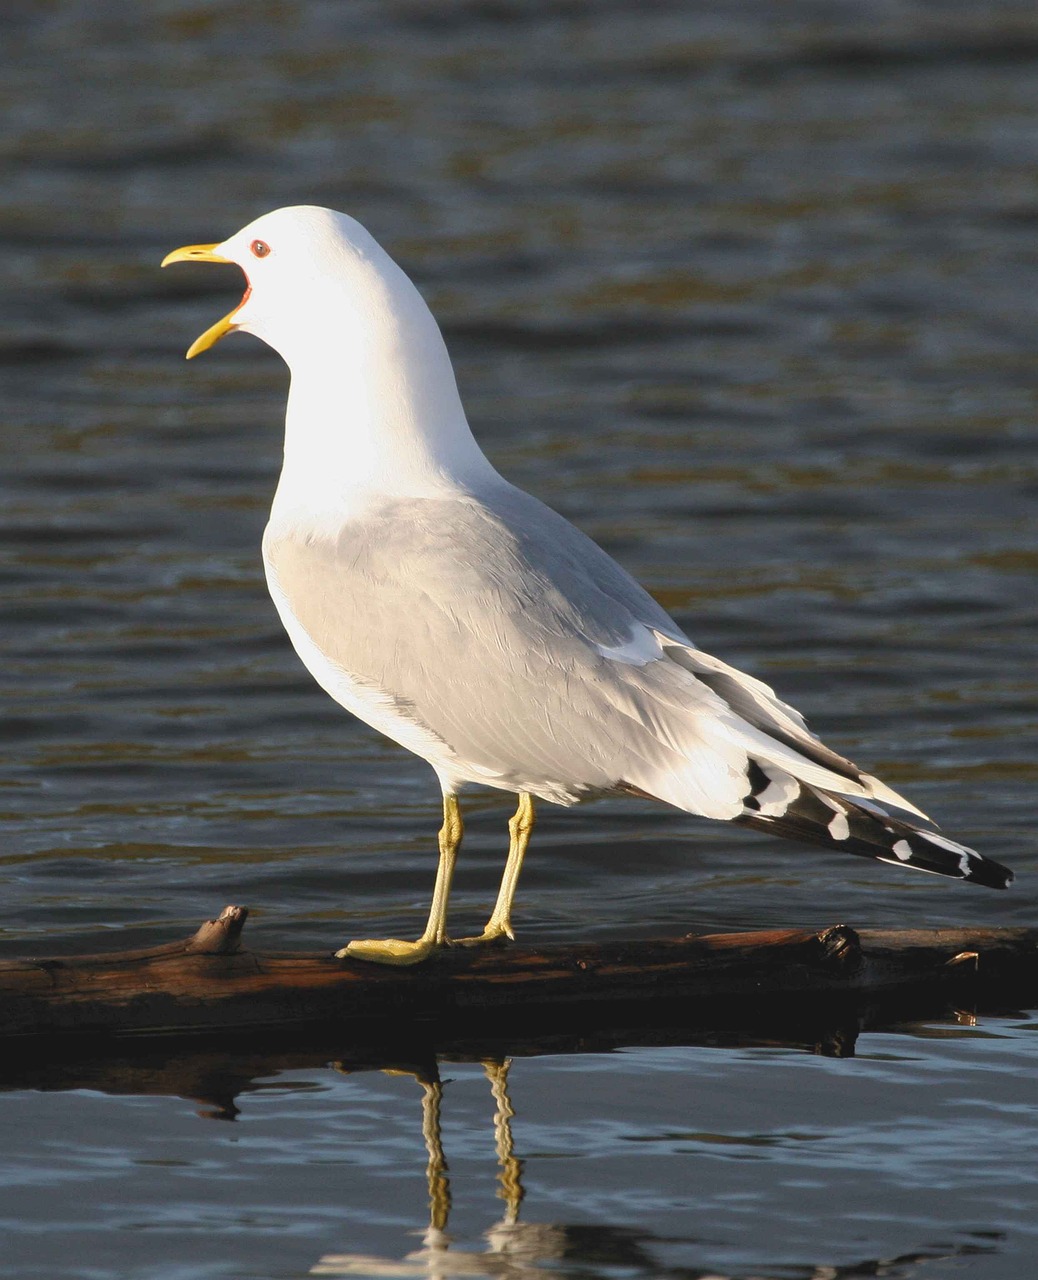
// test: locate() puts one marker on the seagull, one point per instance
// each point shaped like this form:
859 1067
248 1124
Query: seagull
478 628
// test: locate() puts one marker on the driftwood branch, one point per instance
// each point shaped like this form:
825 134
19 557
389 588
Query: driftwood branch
210 985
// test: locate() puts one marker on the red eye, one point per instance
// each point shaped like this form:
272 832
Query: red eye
259 248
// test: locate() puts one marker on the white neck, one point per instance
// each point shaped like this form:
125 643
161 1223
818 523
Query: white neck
373 410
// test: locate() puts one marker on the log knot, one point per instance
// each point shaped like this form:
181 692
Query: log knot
222 936
840 949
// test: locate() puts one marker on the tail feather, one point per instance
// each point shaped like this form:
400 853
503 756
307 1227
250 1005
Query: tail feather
783 806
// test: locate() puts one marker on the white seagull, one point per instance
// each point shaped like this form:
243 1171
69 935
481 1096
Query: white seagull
475 626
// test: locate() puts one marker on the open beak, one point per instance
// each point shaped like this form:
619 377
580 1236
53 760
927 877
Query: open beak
206 253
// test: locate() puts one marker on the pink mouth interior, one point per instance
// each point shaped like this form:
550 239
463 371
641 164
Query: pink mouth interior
244 297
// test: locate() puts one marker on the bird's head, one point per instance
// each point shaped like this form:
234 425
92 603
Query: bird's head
309 272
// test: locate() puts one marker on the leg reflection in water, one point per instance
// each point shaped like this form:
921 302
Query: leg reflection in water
510 1176
514 1249
436 1237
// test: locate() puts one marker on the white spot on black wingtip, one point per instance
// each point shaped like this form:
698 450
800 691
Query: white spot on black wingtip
902 850
839 828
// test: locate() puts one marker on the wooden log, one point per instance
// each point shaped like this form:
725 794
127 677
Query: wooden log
210 985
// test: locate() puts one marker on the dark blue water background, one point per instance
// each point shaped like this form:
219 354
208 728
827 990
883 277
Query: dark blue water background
749 292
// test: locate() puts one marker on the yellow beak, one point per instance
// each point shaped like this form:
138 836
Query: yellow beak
212 335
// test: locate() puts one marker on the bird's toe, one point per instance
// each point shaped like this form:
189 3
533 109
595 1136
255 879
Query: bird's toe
394 951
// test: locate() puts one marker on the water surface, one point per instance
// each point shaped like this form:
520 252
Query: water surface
747 293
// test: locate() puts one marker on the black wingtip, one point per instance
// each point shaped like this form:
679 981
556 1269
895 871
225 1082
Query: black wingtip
837 822
991 874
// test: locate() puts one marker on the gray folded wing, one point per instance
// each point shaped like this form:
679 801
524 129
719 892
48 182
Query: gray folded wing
509 636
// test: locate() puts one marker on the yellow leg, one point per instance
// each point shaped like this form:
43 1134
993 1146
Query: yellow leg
520 827
396 950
